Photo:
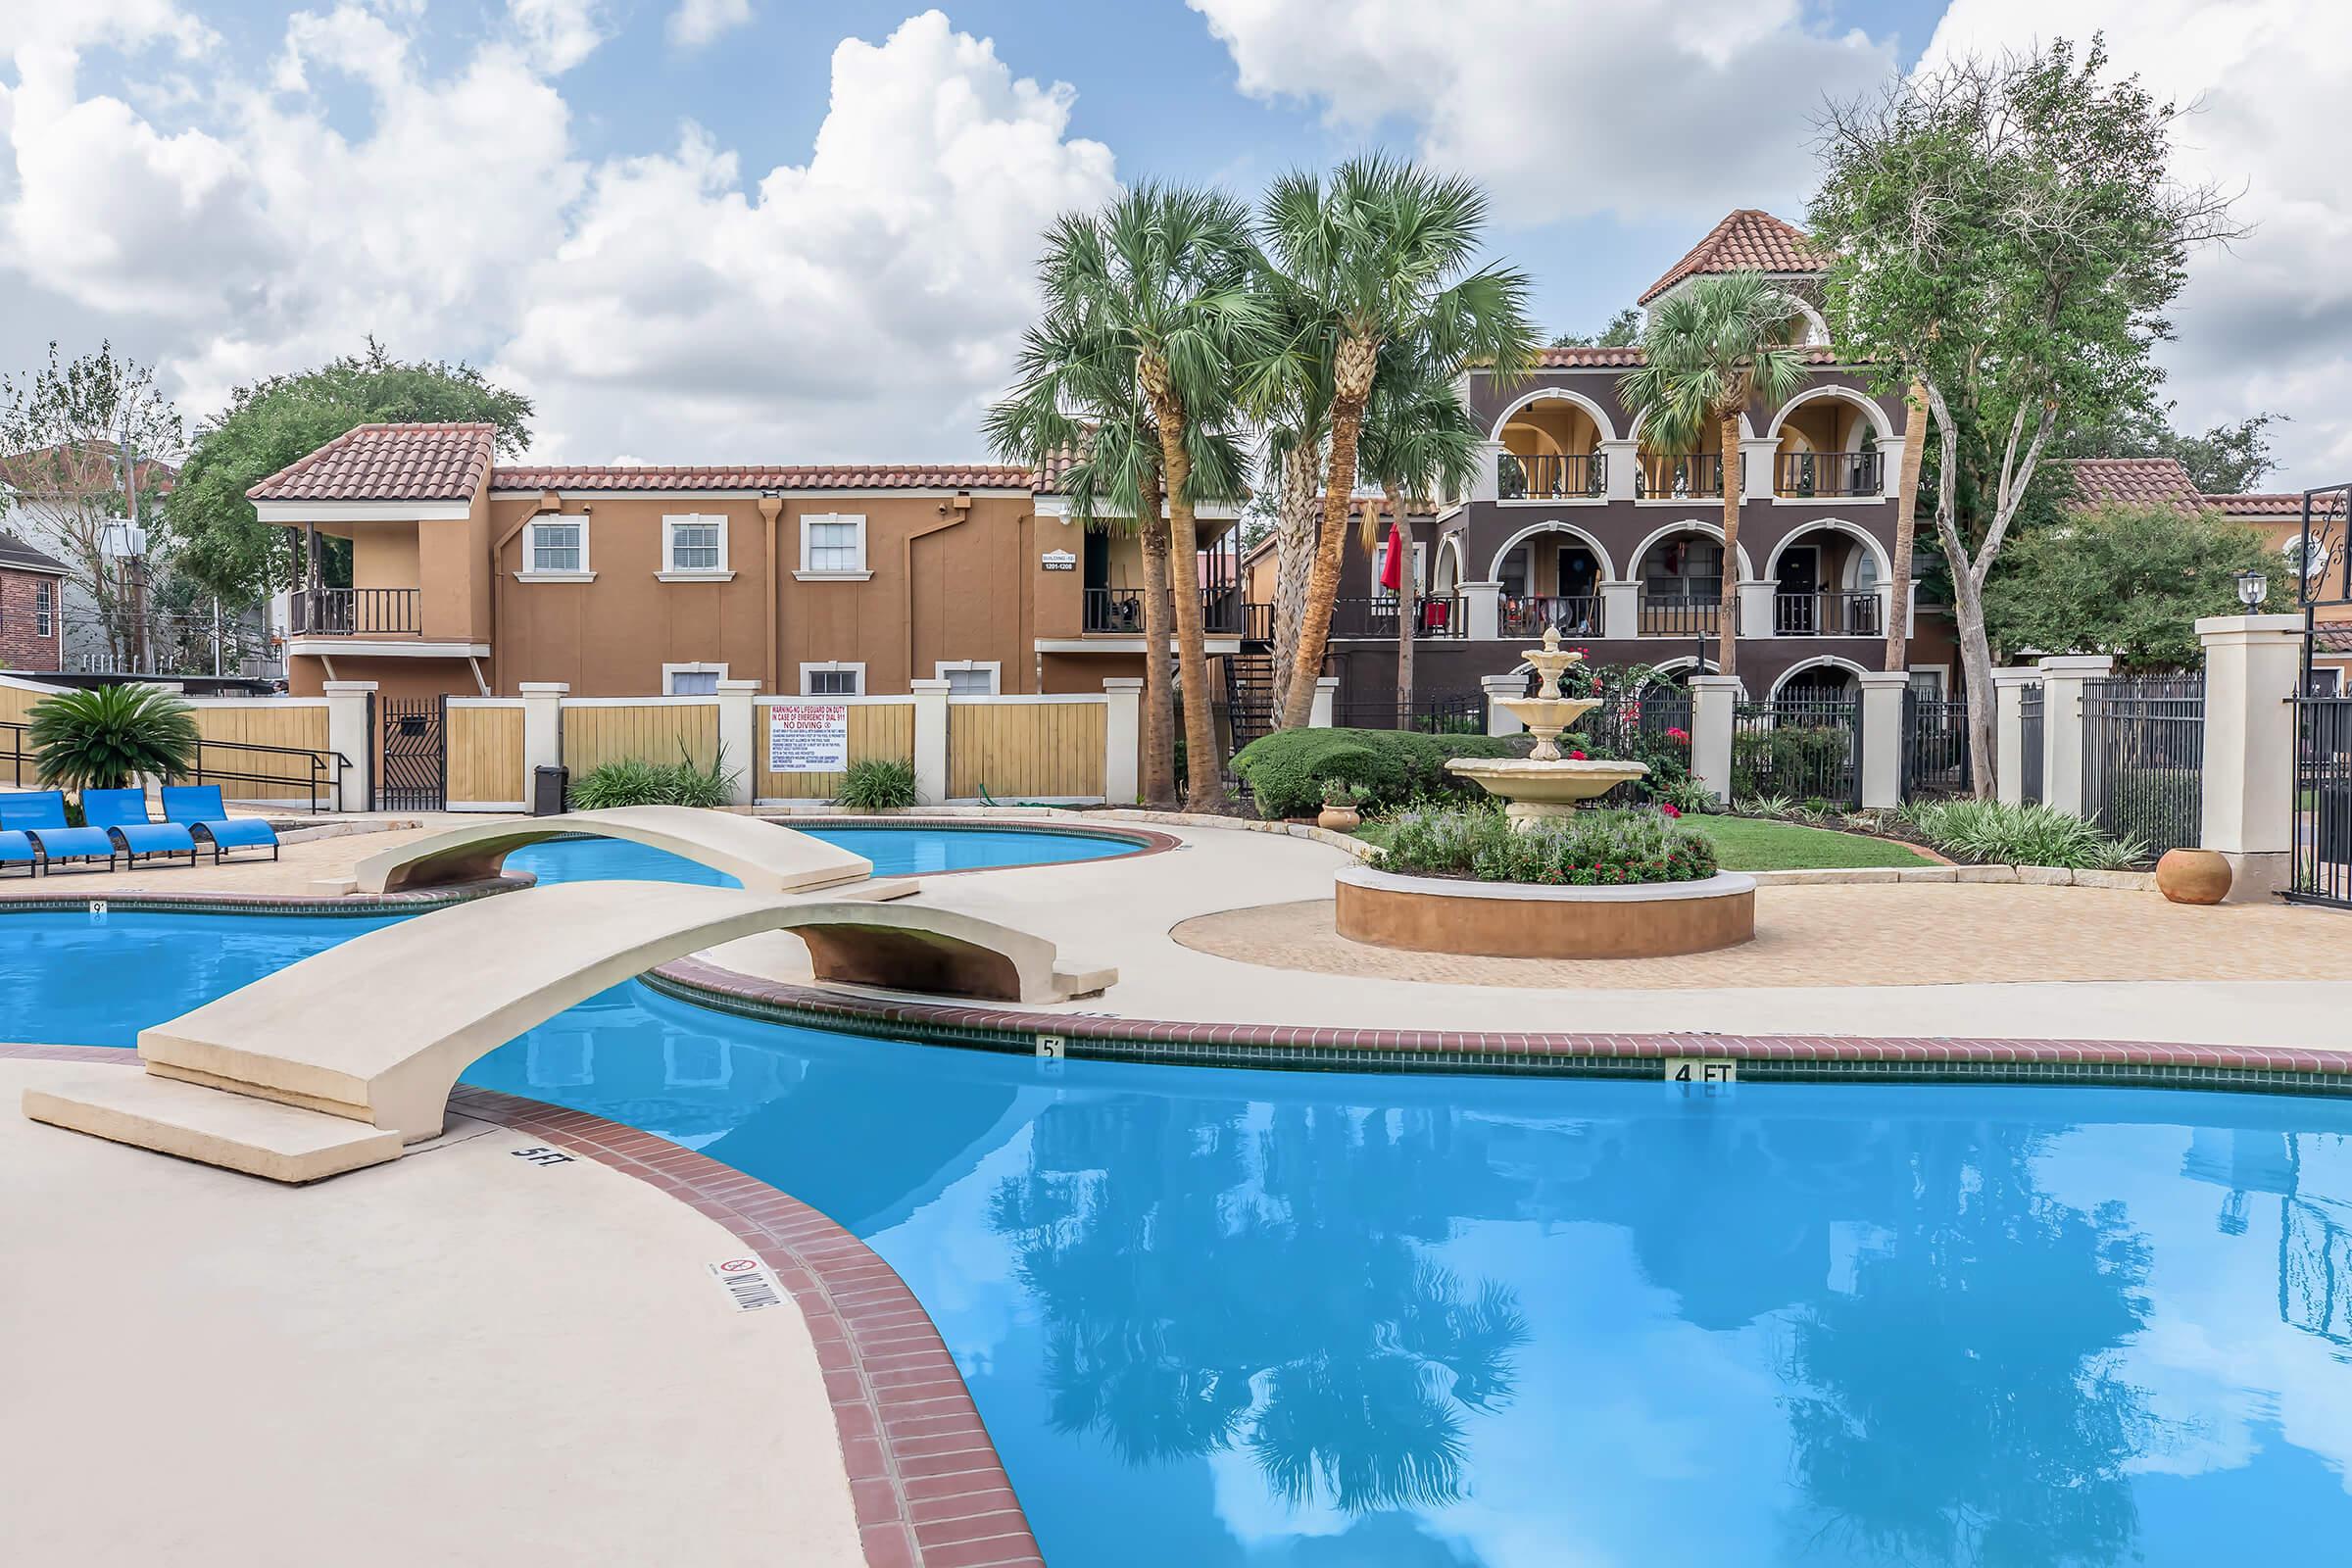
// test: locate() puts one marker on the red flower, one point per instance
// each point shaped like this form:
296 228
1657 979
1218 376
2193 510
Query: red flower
1667 808
1681 737
1576 756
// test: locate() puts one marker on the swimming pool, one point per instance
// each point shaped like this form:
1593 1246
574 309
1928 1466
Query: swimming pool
1323 1319
894 851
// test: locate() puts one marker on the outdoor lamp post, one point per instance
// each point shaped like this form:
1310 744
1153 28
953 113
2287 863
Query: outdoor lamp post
2253 587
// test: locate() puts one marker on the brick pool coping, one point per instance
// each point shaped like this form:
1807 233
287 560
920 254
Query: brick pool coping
2145 1064
925 1480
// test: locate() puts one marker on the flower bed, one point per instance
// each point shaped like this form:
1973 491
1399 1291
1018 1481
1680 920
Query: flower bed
1592 849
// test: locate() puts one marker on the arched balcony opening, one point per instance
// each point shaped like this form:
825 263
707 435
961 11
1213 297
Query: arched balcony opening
1682 580
1829 449
1696 474
1550 577
1551 452
1828 582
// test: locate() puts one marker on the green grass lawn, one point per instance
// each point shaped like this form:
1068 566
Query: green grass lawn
1751 844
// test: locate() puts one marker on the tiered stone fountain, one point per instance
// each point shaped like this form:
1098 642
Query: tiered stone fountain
1544 783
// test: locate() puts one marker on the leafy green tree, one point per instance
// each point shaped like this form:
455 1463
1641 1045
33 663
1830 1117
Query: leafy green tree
2227 459
1714 347
272 423
1381 254
108 736
2006 235
2124 580
1624 331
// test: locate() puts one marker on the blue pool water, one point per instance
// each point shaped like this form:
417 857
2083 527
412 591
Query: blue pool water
894 852
1330 1320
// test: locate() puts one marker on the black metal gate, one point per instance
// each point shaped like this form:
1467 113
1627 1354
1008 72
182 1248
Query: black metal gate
412 754
1801 748
2029 743
2321 867
1935 758
2144 760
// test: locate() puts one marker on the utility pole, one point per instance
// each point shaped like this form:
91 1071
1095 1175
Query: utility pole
134 560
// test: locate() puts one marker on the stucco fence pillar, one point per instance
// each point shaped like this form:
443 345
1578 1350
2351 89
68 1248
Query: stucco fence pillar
1327 691
2062 679
1122 738
1501 720
542 730
2252 664
1714 704
930 741
2009 687
350 733
738 735
1883 739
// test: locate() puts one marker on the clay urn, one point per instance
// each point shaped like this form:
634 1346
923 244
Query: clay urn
2194 876
1339 820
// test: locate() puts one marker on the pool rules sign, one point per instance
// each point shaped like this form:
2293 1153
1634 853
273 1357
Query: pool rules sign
807 738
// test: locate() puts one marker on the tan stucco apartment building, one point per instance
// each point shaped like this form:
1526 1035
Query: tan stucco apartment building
472 578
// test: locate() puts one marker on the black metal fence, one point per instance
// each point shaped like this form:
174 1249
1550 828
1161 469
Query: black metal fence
1433 713
2321 869
1935 755
1805 747
2028 741
2144 759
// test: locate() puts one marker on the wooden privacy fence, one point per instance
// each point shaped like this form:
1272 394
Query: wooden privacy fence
260 748
1026 748
649 729
485 753
879 728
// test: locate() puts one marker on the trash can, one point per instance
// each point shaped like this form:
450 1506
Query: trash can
549 787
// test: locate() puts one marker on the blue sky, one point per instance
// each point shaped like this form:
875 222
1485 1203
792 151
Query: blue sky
770 228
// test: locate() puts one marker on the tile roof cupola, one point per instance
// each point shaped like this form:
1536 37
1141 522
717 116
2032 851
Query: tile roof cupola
1750 239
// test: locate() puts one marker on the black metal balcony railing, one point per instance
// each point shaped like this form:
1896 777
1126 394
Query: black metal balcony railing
1438 615
1852 474
1559 476
1258 622
1120 611
1827 615
1528 615
1678 476
1693 613
355 613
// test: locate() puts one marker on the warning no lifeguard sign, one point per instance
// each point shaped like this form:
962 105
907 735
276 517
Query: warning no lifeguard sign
807 738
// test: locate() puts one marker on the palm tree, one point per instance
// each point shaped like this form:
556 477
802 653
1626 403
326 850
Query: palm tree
1712 348
1163 274
1291 403
1417 442
112 736
1906 508
1078 396
1382 255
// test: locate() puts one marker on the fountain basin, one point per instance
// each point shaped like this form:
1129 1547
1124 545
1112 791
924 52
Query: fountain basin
1525 920
1537 790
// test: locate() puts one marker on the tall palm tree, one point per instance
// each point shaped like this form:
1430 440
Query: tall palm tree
1078 396
1712 348
1163 272
1417 443
1384 253
1291 403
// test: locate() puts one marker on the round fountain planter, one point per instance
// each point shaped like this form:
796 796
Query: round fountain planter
1527 920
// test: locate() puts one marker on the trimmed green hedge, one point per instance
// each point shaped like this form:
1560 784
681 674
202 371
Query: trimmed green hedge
1592 848
1285 771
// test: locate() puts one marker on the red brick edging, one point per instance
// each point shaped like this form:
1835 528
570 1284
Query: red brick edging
924 1477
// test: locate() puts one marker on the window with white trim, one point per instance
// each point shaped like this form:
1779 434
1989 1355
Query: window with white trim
44 610
694 545
832 680
692 681
832 544
967 677
556 546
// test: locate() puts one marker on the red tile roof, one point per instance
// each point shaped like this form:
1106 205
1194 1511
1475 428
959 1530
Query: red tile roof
388 463
1748 240
2287 505
2135 482
1581 359
804 476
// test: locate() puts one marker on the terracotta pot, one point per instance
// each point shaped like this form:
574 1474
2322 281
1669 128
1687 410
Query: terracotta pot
2194 876
1339 820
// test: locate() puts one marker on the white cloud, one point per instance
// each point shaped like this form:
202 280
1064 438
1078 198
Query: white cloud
559 34
696 22
1646 108
863 304
2266 323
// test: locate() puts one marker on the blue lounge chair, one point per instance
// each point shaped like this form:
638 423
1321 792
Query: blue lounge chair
199 806
41 815
17 849
123 813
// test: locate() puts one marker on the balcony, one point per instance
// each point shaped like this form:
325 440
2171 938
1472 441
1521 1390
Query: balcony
1679 476
1827 615
1119 612
1696 611
1528 615
1557 476
356 613
1829 476
1439 616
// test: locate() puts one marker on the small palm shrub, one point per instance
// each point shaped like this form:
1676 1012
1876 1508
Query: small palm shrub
107 737
1597 848
633 781
1995 833
877 784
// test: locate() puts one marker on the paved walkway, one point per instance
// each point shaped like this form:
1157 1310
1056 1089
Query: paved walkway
457 1358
